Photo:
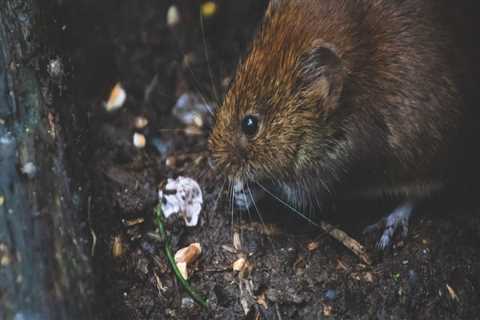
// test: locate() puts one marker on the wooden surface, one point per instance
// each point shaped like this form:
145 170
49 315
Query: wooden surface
44 269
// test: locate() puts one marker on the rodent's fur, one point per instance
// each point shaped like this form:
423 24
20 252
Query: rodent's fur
352 96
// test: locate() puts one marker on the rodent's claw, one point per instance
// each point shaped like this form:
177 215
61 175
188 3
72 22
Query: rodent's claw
398 218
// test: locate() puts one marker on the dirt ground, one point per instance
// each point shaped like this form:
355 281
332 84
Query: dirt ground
295 271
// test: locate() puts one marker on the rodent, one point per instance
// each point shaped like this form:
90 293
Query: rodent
346 96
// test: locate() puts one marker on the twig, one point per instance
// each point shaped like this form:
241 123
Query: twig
347 241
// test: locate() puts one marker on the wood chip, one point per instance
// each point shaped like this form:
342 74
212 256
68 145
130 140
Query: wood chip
133 222
452 293
117 247
347 241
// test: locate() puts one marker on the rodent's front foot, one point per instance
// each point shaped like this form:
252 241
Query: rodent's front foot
389 224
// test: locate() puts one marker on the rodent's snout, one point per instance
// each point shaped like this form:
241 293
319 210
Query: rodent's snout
224 157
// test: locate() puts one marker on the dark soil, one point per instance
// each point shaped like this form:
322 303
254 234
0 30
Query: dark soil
433 274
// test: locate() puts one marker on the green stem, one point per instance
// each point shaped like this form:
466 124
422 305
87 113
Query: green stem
169 253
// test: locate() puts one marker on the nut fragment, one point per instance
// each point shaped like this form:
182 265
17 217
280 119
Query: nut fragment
2 200
117 98
186 256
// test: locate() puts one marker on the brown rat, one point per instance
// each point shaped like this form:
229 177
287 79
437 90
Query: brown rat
341 96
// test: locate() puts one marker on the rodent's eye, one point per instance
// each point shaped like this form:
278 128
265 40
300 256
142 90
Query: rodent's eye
250 125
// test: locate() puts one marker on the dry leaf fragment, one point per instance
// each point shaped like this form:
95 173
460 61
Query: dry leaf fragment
117 98
239 264
2 200
262 300
452 293
117 246
237 242
312 246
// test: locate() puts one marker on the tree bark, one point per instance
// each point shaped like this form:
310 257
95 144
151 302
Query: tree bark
45 272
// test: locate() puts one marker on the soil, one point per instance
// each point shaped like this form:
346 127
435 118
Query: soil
294 271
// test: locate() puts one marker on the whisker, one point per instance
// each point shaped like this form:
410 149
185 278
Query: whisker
205 50
260 217
194 78
288 205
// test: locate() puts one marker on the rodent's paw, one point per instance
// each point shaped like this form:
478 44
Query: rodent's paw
389 224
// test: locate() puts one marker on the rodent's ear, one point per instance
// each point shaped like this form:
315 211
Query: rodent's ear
322 75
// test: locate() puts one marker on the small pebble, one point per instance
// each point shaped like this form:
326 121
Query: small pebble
29 169
330 294
162 147
412 278
187 303
55 68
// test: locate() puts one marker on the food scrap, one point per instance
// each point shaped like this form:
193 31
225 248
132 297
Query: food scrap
117 98
182 196
191 109
173 17
186 256
209 8
139 140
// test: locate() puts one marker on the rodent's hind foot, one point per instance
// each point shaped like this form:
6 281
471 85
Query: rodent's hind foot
389 224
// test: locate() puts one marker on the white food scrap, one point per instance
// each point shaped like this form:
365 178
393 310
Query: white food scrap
117 98
139 140
192 109
182 196
173 16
